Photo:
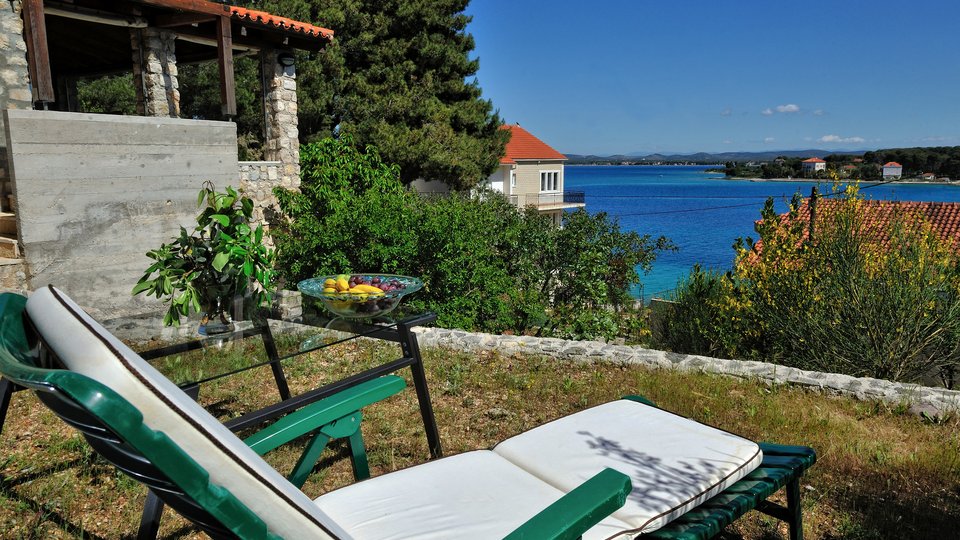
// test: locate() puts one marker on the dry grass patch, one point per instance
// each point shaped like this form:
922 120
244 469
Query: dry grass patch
881 473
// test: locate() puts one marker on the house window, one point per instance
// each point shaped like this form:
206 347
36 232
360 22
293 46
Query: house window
549 180
513 180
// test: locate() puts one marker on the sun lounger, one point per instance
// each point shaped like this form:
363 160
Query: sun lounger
617 470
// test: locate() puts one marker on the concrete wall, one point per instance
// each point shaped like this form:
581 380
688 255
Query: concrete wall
96 192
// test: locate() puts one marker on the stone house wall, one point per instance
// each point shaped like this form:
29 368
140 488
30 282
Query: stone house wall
14 83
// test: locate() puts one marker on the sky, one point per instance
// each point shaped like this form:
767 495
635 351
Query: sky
625 76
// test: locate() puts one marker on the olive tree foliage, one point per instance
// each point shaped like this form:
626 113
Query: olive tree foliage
485 265
398 76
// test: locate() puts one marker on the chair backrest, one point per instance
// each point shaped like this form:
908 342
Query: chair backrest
146 425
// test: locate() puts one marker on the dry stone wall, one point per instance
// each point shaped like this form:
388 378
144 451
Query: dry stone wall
920 399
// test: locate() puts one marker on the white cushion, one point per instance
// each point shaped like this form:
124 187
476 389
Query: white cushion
85 347
674 463
476 495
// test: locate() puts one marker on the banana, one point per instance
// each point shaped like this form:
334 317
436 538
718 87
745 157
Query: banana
362 288
342 284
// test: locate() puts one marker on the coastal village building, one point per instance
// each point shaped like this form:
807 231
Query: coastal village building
892 170
531 174
812 165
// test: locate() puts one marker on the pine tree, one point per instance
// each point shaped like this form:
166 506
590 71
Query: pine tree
399 76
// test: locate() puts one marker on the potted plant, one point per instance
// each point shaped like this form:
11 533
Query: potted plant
204 270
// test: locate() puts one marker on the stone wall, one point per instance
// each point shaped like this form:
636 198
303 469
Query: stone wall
96 192
257 180
921 399
14 82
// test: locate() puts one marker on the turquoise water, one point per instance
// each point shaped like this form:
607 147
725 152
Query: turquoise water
702 212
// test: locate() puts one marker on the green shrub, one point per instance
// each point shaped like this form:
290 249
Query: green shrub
485 265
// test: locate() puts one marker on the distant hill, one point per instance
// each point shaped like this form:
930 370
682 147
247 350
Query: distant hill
705 157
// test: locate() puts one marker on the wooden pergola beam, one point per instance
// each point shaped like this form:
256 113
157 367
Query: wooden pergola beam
228 96
38 53
173 21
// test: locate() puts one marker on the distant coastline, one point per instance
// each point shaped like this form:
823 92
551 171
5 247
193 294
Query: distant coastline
825 181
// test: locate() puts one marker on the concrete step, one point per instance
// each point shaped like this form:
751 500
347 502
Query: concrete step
9 248
8 224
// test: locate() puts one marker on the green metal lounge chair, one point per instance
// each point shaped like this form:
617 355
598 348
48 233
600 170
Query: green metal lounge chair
559 480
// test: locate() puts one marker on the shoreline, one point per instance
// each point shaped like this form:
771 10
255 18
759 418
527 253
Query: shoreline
825 181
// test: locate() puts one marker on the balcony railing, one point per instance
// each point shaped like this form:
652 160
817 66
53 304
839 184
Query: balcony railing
548 200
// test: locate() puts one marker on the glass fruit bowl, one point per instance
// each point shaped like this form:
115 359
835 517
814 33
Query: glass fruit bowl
360 295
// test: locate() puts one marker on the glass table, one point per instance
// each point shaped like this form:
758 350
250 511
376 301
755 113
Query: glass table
194 363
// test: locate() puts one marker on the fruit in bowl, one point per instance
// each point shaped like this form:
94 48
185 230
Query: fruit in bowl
360 295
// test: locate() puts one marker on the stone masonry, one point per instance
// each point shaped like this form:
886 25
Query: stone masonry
155 72
257 180
281 141
14 83
921 399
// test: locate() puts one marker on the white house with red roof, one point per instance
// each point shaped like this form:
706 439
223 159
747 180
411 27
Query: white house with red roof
531 174
892 170
813 165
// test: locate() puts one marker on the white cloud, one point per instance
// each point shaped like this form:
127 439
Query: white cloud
726 112
768 139
766 112
818 112
727 141
808 139
788 108
934 138
839 139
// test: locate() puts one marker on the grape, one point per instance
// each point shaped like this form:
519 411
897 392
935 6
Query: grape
375 281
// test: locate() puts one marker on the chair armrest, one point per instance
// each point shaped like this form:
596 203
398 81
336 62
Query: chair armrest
322 412
577 511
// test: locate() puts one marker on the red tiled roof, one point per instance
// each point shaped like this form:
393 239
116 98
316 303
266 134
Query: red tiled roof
814 160
524 146
279 23
943 218
892 164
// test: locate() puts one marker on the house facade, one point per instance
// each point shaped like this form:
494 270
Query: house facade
892 170
531 173
812 165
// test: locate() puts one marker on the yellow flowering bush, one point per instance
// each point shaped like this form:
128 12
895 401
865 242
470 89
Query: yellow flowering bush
848 294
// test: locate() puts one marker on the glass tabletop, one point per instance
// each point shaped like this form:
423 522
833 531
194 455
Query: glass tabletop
193 359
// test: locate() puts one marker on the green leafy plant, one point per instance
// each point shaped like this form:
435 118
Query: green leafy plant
222 257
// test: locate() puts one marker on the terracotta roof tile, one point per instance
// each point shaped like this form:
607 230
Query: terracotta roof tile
943 217
280 23
892 164
524 146
814 160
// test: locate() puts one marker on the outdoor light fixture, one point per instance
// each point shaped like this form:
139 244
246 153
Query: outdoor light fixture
285 59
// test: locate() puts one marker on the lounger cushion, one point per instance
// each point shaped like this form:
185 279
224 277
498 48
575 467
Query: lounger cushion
674 463
85 347
476 495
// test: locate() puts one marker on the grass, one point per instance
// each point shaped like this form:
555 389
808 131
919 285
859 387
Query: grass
881 472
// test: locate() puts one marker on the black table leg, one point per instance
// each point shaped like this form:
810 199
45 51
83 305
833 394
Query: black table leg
408 343
150 519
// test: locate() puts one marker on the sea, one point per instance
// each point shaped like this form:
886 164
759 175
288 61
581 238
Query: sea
703 213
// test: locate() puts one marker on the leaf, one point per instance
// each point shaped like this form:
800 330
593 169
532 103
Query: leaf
221 219
247 268
220 261
141 286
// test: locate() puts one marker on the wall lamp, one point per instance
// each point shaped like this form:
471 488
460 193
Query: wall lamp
286 59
